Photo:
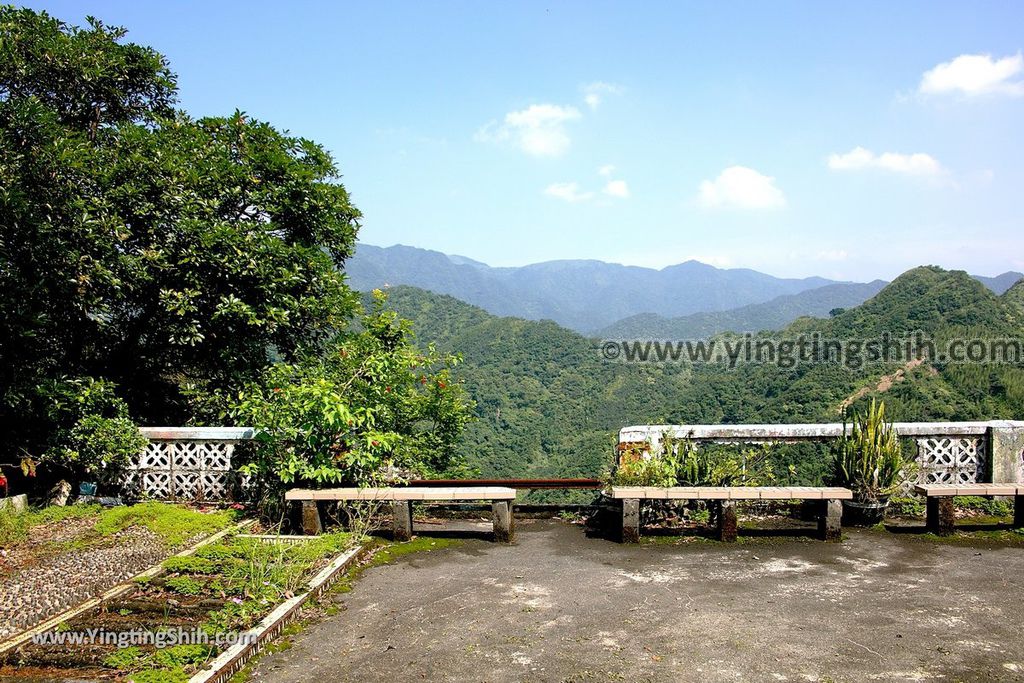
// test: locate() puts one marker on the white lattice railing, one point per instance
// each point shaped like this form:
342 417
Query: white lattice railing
186 464
947 452
195 463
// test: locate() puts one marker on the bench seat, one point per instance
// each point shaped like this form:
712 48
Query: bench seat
417 493
970 489
732 493
401 499
940 516
829 517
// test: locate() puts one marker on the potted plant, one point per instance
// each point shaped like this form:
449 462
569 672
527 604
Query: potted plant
869 460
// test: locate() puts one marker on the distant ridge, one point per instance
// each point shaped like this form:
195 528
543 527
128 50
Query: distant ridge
609 300
770 315
584 295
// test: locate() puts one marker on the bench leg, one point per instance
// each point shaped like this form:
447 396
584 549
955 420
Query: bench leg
504 523
311 518
1018 512
727 521
631 520
402 512
940 515
830 520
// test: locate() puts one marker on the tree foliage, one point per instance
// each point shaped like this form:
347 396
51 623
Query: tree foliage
160 256
371 408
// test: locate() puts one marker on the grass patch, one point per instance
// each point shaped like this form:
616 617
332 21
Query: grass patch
262 574
174 524
15 527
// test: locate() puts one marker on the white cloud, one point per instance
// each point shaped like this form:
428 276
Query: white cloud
594 93
606 170
973 75
569 192
741 187
858 159
538 130
616 188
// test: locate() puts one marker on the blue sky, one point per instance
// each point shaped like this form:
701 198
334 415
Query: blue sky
849 140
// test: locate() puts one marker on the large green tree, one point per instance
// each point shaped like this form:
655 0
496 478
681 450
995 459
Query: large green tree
164 256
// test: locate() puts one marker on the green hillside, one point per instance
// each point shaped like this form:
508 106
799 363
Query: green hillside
548 404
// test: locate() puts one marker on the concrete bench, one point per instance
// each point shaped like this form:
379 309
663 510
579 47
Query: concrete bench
725 497
939 502
401 500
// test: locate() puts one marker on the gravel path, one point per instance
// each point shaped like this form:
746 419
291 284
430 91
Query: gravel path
38 590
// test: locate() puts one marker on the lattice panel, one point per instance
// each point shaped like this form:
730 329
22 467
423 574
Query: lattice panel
182 471
952 460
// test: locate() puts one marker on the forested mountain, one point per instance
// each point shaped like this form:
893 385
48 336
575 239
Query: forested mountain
548 404
581 295
613 301
770 315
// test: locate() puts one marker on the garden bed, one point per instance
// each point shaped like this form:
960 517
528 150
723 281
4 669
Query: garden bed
222 590
54 559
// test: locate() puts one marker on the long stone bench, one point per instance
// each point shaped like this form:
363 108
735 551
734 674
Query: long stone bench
402 499
725 497
939 502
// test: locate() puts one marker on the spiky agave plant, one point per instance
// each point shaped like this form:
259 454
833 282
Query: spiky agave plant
869 459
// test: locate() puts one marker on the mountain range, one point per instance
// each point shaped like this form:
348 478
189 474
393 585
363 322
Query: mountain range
610 300
548 404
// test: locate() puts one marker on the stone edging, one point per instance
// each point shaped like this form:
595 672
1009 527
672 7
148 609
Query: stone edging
231 661
121 588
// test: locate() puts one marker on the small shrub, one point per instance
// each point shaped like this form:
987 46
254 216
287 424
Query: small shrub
870 460
92 432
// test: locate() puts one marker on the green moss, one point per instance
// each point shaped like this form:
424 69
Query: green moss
16 526
176 675
174 524
181 656
189 565
184 585
383 553
125 659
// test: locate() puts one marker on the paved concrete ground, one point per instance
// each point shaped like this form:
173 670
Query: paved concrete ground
559 606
